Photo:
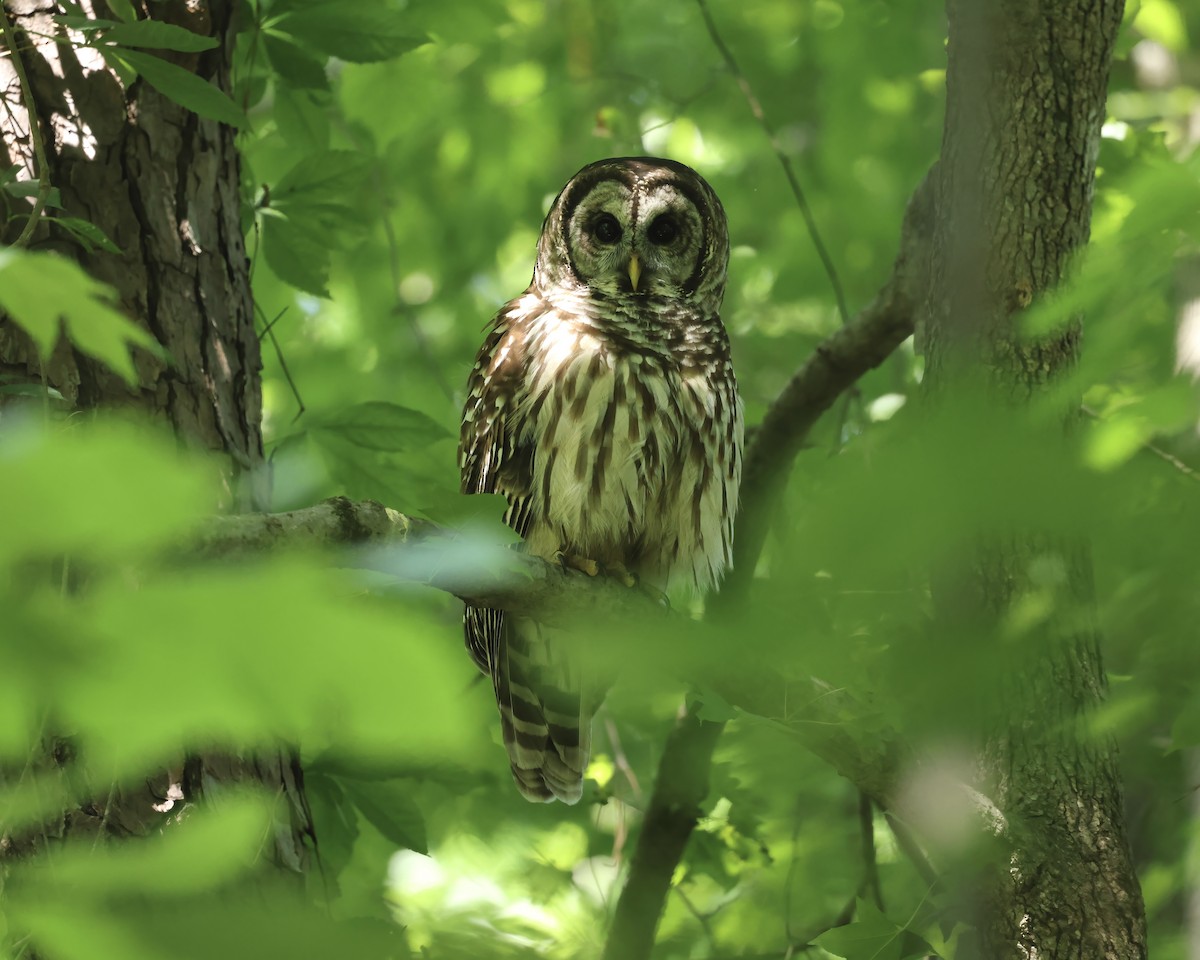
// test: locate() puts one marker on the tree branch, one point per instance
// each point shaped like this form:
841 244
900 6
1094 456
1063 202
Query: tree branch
835 365
419 551
679 789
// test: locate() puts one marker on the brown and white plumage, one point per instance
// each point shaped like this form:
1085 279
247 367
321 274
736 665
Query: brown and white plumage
603 405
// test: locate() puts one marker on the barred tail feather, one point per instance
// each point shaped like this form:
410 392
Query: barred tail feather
544 718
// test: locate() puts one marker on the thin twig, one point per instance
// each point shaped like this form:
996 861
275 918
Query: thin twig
866 823
791 875
270 332
274 320
41 168
620 761
1157 451
679 789
400 308
801 200
911 849
702 919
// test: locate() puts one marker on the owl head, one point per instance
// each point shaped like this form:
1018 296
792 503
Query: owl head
636 227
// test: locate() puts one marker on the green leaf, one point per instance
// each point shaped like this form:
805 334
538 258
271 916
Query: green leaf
276 921
295 66
321 179
389 808
872 936
99 489
123 9
248 637
182 86
88 234
336 824
40 290
157 35
202 851
379 425
302 118
1185 731
73 931
480 513
297 252
363 473
310 207
84 23
714 707
1161 20
31 188
365 32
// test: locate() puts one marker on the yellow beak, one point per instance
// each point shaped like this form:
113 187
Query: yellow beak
635 272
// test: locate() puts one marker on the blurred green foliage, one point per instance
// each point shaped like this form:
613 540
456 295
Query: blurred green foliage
398 160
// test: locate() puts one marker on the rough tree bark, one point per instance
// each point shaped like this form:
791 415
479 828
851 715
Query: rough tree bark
1026 85
163 184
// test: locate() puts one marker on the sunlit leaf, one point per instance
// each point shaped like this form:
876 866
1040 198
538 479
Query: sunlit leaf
157 35
1163 21
247 638
101 489
41 291
184 87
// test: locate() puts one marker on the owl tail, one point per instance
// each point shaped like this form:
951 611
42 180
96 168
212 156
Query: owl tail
544 716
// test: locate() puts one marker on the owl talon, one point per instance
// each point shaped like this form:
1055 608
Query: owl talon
656 595
569 561
619 571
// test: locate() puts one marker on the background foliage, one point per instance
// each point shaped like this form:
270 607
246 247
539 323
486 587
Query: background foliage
398 160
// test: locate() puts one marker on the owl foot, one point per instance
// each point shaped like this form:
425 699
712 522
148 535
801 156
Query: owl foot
621 572
570 561
660 598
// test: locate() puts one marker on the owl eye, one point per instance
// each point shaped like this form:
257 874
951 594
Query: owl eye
663 230
606 229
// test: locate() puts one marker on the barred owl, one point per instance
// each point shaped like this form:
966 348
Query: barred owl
603 406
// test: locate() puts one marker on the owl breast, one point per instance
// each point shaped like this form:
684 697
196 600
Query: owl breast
635 454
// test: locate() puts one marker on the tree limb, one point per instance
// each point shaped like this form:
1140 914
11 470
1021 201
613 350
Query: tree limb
835 365
414 550
679 789
419 551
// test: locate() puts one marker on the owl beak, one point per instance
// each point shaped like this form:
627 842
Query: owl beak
635 271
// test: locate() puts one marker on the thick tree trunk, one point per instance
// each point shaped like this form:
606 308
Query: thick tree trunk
1026 87
163 184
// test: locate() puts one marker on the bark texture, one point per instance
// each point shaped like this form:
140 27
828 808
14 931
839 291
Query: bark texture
1026 87
163 184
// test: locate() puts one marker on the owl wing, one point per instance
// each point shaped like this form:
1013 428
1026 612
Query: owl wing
542 715
490 458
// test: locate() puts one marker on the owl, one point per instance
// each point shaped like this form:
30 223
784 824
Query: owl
603 406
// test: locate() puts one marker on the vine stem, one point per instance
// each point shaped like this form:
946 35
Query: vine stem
793 181
41 167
